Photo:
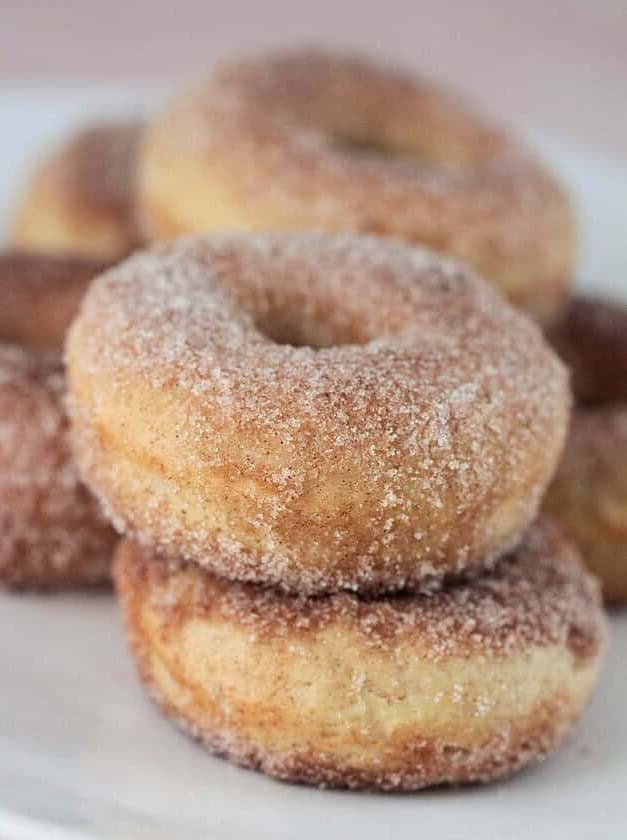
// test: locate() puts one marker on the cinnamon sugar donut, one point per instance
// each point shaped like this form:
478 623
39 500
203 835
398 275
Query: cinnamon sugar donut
588 496
591 336
398 693
52 532
313 411
40 295
315 140
81 199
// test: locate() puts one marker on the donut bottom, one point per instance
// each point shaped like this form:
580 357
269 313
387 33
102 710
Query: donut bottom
588 496
275 683
53 223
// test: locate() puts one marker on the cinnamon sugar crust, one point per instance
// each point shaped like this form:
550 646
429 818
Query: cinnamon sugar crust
53 534
39 296
315 140
313 412
536 595
392 693
591 336
82 198
97 166
588 496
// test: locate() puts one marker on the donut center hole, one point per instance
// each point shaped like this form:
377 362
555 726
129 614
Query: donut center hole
364 147
317 336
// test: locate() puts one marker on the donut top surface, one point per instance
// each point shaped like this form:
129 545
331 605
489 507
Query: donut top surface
366 133
230 314
394 119
316 140
39 296
313 87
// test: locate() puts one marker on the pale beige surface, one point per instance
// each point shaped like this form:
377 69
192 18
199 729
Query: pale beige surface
561 66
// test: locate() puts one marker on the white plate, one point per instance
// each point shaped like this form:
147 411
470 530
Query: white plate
82 752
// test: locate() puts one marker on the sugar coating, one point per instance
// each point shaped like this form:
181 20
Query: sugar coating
588 495
53 533
407 428
310 139
536 595
538 599
591 337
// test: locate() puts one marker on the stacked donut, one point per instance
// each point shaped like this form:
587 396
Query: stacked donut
52 533
326 453
314 140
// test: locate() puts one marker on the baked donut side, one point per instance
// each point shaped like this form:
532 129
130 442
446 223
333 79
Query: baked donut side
313 412
53 533
81 199
397 693
322 141
588 496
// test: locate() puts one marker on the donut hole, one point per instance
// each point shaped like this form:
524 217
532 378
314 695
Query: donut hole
412 148
288 312
412 145
307 333
369 147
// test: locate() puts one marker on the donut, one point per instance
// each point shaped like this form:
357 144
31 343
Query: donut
81 199
311 140
399 692
588 496
39 296
53 534
591 336
312 411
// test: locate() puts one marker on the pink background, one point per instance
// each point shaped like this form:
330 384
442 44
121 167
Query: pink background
554 64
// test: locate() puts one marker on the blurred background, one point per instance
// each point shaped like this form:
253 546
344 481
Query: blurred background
559 65
556 70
